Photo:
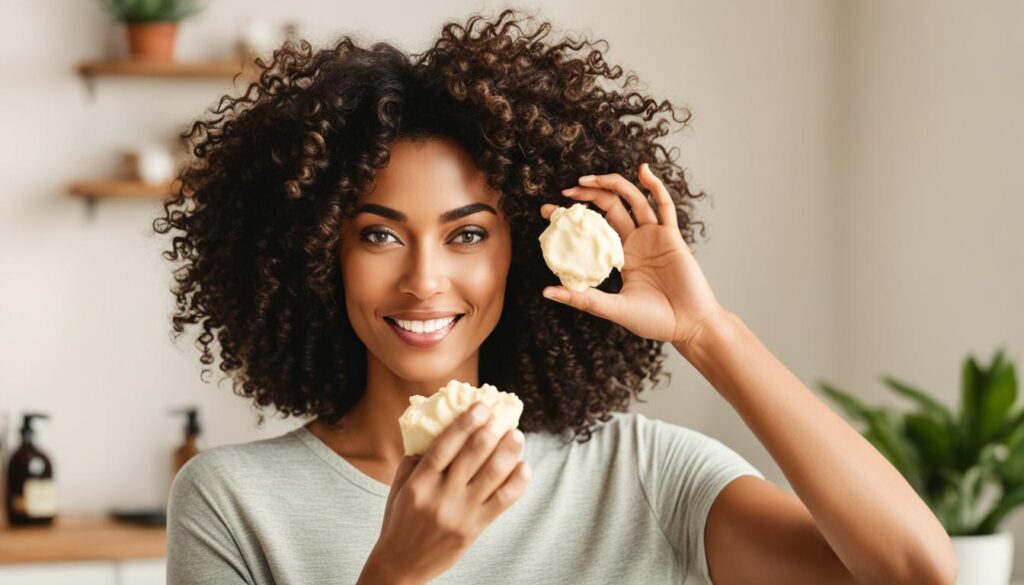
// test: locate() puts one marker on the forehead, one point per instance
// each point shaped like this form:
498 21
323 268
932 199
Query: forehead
429 176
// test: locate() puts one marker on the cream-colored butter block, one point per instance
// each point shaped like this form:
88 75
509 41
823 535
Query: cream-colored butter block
427 417
580 247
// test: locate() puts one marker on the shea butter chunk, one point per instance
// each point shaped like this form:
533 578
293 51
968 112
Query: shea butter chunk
580 247
426 417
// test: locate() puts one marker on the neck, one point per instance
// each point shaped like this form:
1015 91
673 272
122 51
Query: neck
371 430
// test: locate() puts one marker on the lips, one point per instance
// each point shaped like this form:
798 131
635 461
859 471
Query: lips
422 340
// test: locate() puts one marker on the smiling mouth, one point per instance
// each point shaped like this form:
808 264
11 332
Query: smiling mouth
425 339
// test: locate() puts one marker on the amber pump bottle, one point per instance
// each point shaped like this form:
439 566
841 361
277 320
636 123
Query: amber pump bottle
31 491
191 446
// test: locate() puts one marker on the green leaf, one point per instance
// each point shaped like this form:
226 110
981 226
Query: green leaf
846 402
1013 424
971 379
944 508
928 404
967 496
998 398
1012 470
139 11
933 441
1009 501
997 360
885 432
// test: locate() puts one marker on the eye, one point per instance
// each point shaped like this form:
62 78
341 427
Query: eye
379 237
368 236
479 232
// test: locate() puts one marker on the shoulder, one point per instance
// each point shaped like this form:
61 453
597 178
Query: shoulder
214 472
629 427
647 434
628 437
668 452
646 438
654 435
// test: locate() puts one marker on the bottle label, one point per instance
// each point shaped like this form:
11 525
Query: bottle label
40 498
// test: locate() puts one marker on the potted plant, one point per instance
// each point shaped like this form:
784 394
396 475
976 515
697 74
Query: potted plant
968 466
152 25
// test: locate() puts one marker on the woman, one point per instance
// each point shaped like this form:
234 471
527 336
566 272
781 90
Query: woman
362 198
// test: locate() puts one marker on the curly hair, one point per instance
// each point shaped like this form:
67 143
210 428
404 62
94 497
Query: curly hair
272 174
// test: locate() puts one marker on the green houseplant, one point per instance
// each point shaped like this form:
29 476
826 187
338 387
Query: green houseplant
967 465
152 25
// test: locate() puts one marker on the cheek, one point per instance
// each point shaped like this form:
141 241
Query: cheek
483 280
364 280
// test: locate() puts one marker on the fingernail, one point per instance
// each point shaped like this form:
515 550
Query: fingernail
554 294
479 412
519 436
587 178
569 190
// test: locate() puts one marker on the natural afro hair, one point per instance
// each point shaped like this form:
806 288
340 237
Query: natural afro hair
272 174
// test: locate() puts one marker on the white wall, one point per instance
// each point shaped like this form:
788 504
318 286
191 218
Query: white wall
761 81
858 156
932 145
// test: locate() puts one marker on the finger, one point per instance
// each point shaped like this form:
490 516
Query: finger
593 301
473 455
447 445
618 184
496 469
547 209
666 207
510 491
615 212
405 467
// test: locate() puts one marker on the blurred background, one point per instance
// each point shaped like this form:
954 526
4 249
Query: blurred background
862 162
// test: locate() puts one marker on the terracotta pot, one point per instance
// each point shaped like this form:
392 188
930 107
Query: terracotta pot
152 41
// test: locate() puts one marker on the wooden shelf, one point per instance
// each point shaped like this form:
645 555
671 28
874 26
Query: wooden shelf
121 188
174 69
81 538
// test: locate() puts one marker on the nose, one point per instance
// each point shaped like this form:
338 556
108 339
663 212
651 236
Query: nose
427 273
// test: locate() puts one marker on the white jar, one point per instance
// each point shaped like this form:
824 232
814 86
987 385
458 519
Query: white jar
154 164
259 37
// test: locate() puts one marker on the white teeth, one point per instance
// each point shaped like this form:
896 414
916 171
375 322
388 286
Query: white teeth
424 326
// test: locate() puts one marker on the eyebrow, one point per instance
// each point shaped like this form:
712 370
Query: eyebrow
445 217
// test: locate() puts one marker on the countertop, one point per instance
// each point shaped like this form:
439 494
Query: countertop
81 538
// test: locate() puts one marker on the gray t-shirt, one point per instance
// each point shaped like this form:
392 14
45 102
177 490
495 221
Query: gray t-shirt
628 506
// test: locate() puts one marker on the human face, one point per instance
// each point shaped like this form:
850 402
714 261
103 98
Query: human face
409 254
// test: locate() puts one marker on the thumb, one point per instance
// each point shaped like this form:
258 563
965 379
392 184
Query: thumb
590 300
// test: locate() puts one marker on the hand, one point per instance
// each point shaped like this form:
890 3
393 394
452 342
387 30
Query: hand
664 295
441 501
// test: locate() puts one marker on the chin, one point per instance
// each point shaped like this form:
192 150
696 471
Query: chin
425 368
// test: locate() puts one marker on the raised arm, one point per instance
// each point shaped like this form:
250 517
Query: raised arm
854 518
868 517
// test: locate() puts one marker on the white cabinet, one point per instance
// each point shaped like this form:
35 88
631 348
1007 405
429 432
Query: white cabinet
80 573
127 572
142 572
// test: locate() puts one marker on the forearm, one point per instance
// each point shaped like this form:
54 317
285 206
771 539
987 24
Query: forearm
870 516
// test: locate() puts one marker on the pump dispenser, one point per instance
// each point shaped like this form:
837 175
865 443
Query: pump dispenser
190 447
31 491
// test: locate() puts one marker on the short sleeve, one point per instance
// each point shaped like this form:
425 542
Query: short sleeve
200 546
681 473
